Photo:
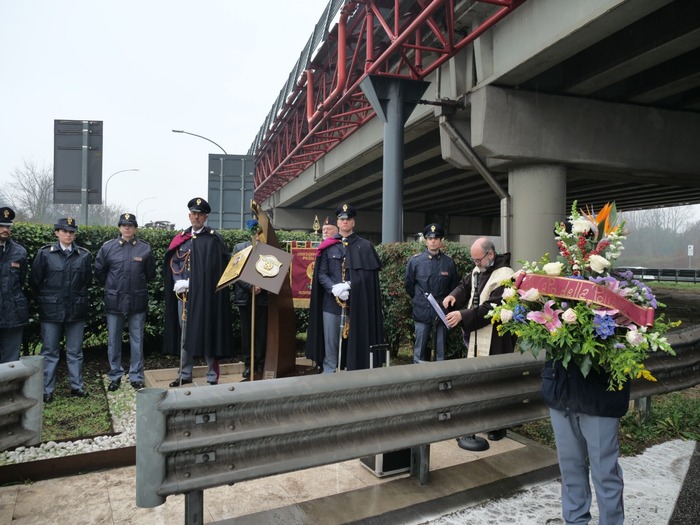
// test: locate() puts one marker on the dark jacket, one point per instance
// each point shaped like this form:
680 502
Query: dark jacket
362 266
208 330
61 283
567 390
241 290
124 268
426 273
14 309
475 318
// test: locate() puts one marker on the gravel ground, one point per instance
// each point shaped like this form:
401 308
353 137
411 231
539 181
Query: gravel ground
122 406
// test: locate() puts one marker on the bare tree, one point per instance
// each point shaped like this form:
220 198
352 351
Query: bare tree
31 194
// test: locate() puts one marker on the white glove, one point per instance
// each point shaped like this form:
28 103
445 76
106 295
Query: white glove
340 287
343 296
181 285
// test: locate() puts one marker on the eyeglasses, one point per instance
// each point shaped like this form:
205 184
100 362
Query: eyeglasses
478 261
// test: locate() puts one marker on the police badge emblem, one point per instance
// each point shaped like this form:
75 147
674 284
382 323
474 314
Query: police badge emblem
268 266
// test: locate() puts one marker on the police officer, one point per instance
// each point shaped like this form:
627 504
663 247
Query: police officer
61 275
430 272
14 309
124 266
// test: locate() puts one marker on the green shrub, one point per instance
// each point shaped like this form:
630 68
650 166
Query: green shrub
396 303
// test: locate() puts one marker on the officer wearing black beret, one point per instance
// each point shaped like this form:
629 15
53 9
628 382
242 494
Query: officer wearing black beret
14 309
124 266
430 272
61 276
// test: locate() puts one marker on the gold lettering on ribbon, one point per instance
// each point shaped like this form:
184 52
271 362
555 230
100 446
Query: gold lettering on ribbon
576 289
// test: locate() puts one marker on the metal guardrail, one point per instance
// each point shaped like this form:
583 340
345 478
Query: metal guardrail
188 440
677 275
21 402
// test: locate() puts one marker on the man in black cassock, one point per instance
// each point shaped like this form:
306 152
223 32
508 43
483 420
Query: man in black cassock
194 262
346 274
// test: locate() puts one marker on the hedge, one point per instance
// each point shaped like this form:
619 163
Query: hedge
398 323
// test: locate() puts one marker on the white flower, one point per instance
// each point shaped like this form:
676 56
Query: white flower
634 337
581 225
598 264
533 294
506 315
569 316
553 268
508 293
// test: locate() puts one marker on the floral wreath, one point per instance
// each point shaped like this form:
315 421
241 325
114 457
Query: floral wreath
580 309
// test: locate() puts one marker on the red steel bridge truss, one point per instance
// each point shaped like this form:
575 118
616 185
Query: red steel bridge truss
321 104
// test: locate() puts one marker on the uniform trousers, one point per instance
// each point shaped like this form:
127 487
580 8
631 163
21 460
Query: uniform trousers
331 337
188 361
115 327
10 343
260 334
584 443
423 333
50 350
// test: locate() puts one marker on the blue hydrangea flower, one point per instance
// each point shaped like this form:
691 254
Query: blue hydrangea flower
604 326
519 313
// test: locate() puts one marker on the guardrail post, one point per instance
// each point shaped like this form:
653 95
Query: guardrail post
643 406
150 434
420 463
194 507
33 388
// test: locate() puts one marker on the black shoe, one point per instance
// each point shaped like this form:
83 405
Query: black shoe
177 382
114 386
48 397
497 435
473 443
213 382
246 372
78 392
136 385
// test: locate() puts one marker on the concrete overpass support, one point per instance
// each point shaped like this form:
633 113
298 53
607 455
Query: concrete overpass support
538 200
394 100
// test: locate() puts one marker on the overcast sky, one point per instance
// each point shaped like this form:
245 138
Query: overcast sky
145 67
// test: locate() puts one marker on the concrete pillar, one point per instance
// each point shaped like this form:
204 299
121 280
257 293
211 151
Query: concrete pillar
538 199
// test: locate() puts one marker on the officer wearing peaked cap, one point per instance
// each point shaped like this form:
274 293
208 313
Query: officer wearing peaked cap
194 262
14 309
124 266
429 272
61 276
345 282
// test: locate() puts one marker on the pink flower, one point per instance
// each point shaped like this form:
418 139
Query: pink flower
548 317
532 295
569 316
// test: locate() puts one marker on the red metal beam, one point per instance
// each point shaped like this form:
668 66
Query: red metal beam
399 38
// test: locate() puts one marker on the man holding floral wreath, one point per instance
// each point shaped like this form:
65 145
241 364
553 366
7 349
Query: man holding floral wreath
471 302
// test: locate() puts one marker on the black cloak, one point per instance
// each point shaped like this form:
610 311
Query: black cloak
362 267
208 329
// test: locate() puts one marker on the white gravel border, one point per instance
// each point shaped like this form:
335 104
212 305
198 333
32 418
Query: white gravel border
122 407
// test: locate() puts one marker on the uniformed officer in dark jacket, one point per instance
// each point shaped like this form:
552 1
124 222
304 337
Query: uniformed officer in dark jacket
124 266
14 309
61 275
242 298
430 272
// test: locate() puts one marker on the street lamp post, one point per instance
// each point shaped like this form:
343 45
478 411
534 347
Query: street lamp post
139 204
107 183
221 174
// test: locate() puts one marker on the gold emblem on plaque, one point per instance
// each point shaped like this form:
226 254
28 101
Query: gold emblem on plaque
268 265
